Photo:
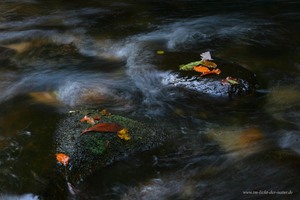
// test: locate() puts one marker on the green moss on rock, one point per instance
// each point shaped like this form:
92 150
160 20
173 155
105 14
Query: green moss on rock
97 149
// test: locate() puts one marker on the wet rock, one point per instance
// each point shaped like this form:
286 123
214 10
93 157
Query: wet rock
93 150
210 85
213 84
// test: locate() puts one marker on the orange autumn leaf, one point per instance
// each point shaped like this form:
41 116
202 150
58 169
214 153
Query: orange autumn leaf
103 127
205 71
214 71
201 69
62 158
123 134
87 119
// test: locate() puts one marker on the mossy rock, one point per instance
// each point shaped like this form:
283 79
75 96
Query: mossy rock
93 150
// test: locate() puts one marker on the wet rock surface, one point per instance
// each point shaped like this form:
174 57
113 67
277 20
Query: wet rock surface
210 85
213 84
93 150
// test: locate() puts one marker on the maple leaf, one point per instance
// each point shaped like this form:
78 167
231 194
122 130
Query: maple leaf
62 158
123 134
87 119
103 127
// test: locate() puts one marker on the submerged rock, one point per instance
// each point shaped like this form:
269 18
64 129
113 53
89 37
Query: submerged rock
93 150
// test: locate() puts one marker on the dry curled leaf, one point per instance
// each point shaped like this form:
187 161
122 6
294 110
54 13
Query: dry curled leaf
62 158
87 119
104 127
209 64
123 134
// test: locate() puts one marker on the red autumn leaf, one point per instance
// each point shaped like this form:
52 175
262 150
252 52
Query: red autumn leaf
62 158
104 127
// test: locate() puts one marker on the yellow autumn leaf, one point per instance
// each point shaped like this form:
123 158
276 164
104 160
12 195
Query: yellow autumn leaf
123 134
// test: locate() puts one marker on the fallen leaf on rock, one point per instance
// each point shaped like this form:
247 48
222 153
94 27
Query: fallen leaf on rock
62 158
190 66
123 134
104 112
201 69
87 119
206 71
230 81
214 71
209 64
96 117
103 127
206 56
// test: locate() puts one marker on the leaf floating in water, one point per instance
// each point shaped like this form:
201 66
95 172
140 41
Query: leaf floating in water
160 52
123 134
62 158
103 127
87 119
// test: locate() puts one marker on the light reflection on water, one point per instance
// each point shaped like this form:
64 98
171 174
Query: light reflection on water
76 55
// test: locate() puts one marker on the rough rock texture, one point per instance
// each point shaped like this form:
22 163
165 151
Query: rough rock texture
94 150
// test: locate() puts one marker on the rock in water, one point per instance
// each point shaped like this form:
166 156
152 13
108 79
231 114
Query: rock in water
214 84
94 150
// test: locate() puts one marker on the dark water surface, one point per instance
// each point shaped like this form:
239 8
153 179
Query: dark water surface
71 54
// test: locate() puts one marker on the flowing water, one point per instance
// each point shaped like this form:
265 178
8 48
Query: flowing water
103 54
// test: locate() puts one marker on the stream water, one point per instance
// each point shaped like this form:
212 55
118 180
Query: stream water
103 54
